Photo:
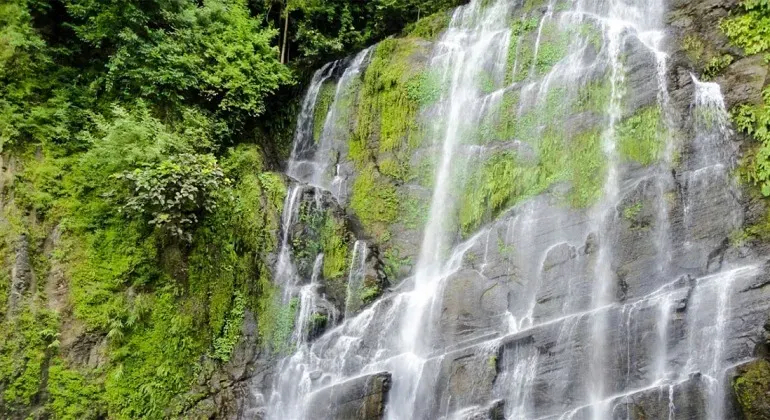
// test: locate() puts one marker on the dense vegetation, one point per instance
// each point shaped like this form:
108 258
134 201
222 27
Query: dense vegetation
139 142
749 29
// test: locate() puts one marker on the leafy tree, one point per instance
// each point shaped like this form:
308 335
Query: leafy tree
174 194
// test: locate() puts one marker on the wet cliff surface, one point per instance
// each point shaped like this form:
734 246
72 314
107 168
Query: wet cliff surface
532 215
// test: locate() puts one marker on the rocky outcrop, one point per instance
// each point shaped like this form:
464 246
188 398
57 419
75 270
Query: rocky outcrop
22 276
751 387
223 390
360 398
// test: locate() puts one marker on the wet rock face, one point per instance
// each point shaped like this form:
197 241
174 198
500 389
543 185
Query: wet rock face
362 398
520 326
22 275
685 401
472 305
225 390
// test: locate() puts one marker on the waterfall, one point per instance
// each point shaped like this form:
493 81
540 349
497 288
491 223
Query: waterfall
586 286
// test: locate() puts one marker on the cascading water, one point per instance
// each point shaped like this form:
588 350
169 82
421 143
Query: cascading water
591 289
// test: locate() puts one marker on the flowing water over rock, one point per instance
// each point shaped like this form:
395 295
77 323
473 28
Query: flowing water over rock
574 260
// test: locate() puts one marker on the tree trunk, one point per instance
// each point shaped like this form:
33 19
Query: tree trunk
284 53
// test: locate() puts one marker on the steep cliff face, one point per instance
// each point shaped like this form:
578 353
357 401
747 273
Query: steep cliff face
541 220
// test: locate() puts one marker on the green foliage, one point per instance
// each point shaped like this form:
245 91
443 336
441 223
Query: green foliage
429 27
212 51
414 211
322 232
562 155
754 120
750 30
285 318
751 388
231 333
322 28
493 186
25 346
394 262
592 34
426 88
323 104
594 96
369 294
73 396
156 361
716 65
520 52
631 212
387 130
694 47
374 201
641 137
173 194
335 246
386 103
579 160
317 322
553 47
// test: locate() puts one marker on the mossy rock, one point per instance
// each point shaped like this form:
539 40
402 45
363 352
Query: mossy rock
752 389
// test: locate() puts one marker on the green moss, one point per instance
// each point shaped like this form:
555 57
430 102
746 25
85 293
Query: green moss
414 211
587 167
394 262
429 27
72 395
323 103
752 387
492 186
26 343
396 168
694 47
426 88
592 34
531 5
525 58
318 321
631 212
486 82
594 96
553 47
386 110
157 360
231 331
347 104
518 47
503 179
492 362
715 66
374 201
641 137
503 248
335 246
369 294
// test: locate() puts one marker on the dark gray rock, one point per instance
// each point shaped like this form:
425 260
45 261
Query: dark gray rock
361 398
472 305
686 401
22 276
